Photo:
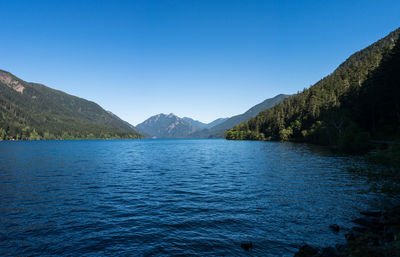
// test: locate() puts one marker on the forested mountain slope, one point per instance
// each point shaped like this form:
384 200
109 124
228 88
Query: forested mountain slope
219 130
34 111
360 99
200 125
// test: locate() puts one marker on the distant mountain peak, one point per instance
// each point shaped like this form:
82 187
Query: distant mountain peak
166 126
172 126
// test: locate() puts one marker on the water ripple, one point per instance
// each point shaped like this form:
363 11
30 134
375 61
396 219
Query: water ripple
172 197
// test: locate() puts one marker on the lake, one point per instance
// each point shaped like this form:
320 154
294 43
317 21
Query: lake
173 197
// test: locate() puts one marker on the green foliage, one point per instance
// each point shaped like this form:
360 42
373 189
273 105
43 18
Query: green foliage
316 133
244 135
285 134
363 91
48 136
33 135
39 112
354 140
3 134
296 127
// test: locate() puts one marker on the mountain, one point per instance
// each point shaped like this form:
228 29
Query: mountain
360 99
166 126
34 111
200 125
216 122
171 126
219 130
195 123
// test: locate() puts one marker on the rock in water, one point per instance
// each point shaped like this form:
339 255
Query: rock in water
306 251
334 227
371 213
329 252
247 246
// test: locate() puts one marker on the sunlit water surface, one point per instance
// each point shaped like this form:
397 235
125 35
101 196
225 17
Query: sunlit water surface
172 197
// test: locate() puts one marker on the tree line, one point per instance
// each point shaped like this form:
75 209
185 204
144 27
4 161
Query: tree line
358 101
39 112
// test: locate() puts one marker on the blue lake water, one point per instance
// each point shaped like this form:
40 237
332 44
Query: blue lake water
172 197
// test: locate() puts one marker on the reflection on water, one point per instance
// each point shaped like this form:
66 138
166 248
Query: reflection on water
172 197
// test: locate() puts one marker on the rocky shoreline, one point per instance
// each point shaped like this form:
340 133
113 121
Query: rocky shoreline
376 233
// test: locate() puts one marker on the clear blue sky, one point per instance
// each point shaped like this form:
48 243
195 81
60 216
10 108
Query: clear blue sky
202 59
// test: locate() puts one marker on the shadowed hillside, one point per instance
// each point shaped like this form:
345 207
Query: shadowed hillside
358 100
34 111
